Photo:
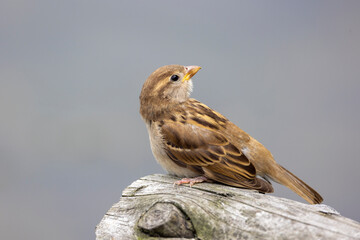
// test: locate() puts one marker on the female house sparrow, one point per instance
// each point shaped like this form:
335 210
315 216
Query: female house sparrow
191 140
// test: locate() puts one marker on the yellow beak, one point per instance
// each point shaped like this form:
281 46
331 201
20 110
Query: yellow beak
190 72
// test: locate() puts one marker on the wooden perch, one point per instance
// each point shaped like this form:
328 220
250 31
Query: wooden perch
152 208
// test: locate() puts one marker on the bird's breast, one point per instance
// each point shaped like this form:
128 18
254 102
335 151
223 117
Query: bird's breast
158 148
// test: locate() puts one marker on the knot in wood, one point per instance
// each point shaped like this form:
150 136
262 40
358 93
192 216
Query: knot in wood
166 220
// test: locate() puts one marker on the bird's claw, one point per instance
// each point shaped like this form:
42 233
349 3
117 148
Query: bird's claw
191 181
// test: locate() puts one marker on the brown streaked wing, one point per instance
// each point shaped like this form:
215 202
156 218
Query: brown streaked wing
196 146
247 171
190 144
221 173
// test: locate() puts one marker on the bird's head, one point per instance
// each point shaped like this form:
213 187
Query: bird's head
166 86
170 83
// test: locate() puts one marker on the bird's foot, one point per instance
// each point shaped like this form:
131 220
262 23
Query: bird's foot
191 181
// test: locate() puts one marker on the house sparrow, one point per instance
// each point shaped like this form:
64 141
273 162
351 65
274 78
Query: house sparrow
191 140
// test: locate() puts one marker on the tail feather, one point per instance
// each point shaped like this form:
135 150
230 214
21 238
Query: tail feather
291 181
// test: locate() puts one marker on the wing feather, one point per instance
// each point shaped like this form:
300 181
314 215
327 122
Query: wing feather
198 141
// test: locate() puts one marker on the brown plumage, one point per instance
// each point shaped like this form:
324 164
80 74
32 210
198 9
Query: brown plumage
189 139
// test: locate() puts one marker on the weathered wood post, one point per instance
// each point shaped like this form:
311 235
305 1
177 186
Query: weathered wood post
152 208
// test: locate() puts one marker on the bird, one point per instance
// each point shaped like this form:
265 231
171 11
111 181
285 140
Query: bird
196 143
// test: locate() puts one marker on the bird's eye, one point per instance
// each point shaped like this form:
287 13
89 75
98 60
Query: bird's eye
174 78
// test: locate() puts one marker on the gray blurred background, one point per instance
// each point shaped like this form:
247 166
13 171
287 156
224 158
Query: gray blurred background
71 137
